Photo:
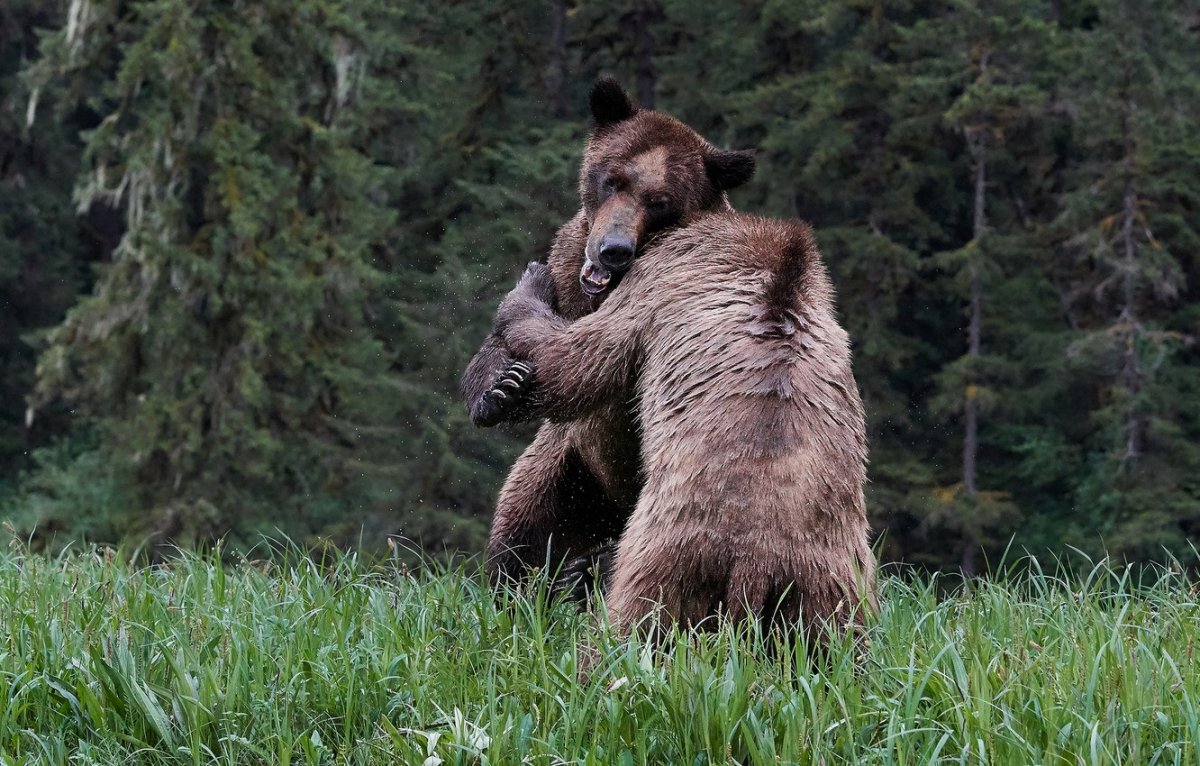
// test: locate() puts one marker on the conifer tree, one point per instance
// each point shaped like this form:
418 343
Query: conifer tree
1126 224
987 75
219 349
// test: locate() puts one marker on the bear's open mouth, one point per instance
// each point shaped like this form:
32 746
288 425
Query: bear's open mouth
593 278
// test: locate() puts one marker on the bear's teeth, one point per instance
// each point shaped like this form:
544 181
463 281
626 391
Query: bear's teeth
595 273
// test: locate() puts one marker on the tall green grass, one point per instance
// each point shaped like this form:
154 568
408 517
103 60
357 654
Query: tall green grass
199 662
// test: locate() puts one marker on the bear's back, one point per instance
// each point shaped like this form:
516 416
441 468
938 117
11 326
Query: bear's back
745 369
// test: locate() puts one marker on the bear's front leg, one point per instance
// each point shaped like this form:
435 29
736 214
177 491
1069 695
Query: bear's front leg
495 387
533 296
509 391
581 365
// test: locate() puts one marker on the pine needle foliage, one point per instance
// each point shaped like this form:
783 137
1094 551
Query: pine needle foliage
246 248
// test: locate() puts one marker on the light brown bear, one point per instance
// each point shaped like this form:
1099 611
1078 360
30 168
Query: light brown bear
724 337
574 487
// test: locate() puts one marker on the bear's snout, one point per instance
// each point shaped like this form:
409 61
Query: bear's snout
616 252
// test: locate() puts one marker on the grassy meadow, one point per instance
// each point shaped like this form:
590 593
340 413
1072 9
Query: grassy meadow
199 662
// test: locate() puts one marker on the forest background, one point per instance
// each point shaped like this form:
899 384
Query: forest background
246 249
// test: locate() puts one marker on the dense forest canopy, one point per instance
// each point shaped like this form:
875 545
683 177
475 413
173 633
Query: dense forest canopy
247 247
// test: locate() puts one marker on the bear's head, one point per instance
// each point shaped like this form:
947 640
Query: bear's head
644 173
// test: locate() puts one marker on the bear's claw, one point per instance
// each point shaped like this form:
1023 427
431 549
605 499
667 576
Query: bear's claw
506 393
580 578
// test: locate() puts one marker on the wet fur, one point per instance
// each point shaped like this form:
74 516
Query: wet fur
753 443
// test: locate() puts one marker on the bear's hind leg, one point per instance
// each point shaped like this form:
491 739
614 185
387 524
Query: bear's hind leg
821 608
646 590
747 592
550 509
581 577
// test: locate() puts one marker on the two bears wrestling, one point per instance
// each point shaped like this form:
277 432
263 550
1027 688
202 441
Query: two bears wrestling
698 399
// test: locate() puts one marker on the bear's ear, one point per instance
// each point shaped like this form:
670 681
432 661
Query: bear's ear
610 103
729 170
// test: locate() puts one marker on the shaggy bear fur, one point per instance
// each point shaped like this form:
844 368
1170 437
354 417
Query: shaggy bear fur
724 337
643 174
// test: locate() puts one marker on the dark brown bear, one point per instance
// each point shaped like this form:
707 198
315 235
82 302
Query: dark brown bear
723 334
643 174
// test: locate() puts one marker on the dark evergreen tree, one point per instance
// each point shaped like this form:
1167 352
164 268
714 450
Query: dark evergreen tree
1128 229
224 348
982 61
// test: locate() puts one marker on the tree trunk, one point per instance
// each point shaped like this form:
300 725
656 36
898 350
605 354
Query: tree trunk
1131 369
977 138
975 324
974 338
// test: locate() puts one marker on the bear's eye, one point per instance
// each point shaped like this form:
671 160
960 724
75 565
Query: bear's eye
609 186
658 206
